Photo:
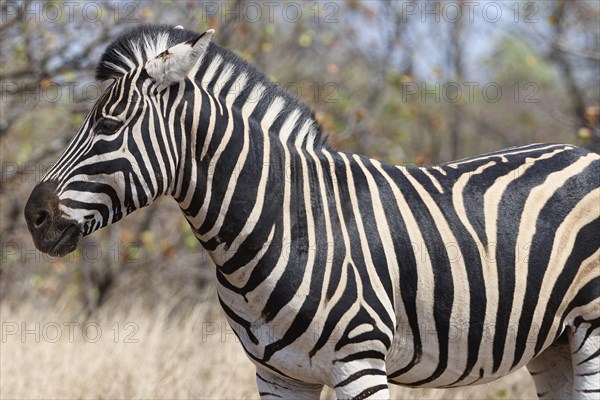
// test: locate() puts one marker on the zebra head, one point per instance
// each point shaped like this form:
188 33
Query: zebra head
124 155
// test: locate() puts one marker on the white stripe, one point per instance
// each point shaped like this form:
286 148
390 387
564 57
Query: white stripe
258 297
375 281
459 316
384 233
283 321
247 109
491 203
486 269
338 295
433 180
257 209
502 155
154 145
176 192
584 213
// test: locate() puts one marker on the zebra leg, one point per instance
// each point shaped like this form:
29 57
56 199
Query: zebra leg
585 347
362 379
552 372
271 386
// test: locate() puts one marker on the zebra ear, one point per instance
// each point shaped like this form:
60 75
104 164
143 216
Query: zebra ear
175 63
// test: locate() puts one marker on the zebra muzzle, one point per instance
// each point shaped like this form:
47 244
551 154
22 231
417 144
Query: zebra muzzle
51 233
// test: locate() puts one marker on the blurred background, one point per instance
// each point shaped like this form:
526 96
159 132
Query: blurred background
133 312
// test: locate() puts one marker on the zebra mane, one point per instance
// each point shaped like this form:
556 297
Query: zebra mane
137 45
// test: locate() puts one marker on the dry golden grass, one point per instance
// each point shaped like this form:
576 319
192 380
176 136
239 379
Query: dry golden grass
153 355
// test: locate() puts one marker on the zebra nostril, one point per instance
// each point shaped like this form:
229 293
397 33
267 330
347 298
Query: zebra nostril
41 208
42 217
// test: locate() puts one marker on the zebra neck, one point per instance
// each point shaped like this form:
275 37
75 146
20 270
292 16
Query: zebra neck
250 140
234 91
251 176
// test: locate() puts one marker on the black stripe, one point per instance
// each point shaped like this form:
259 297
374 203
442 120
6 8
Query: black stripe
510 211
591 357
586 244
296 251
469 255
551 217
370 391
359 374
308 310
442 275
361 355
347 299
407 270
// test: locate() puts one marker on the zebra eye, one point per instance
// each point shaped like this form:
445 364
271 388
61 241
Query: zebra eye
107 126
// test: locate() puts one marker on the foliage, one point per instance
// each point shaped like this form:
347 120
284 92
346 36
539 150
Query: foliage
385 79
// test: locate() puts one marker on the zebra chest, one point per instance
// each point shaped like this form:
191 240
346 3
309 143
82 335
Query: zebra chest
277 343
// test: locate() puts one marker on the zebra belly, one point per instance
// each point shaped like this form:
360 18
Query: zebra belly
430 370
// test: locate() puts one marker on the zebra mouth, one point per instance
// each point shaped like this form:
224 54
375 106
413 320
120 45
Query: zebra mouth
67 242
51 232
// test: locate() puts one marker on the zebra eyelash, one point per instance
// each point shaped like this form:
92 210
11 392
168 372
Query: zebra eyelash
107 126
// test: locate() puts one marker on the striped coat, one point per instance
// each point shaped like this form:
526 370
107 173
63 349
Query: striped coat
333 268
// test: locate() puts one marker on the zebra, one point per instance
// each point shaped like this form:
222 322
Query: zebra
333 268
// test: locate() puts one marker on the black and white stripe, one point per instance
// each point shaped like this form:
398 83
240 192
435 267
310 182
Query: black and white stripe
336 269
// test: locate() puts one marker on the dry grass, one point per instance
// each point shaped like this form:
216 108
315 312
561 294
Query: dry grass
170 355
